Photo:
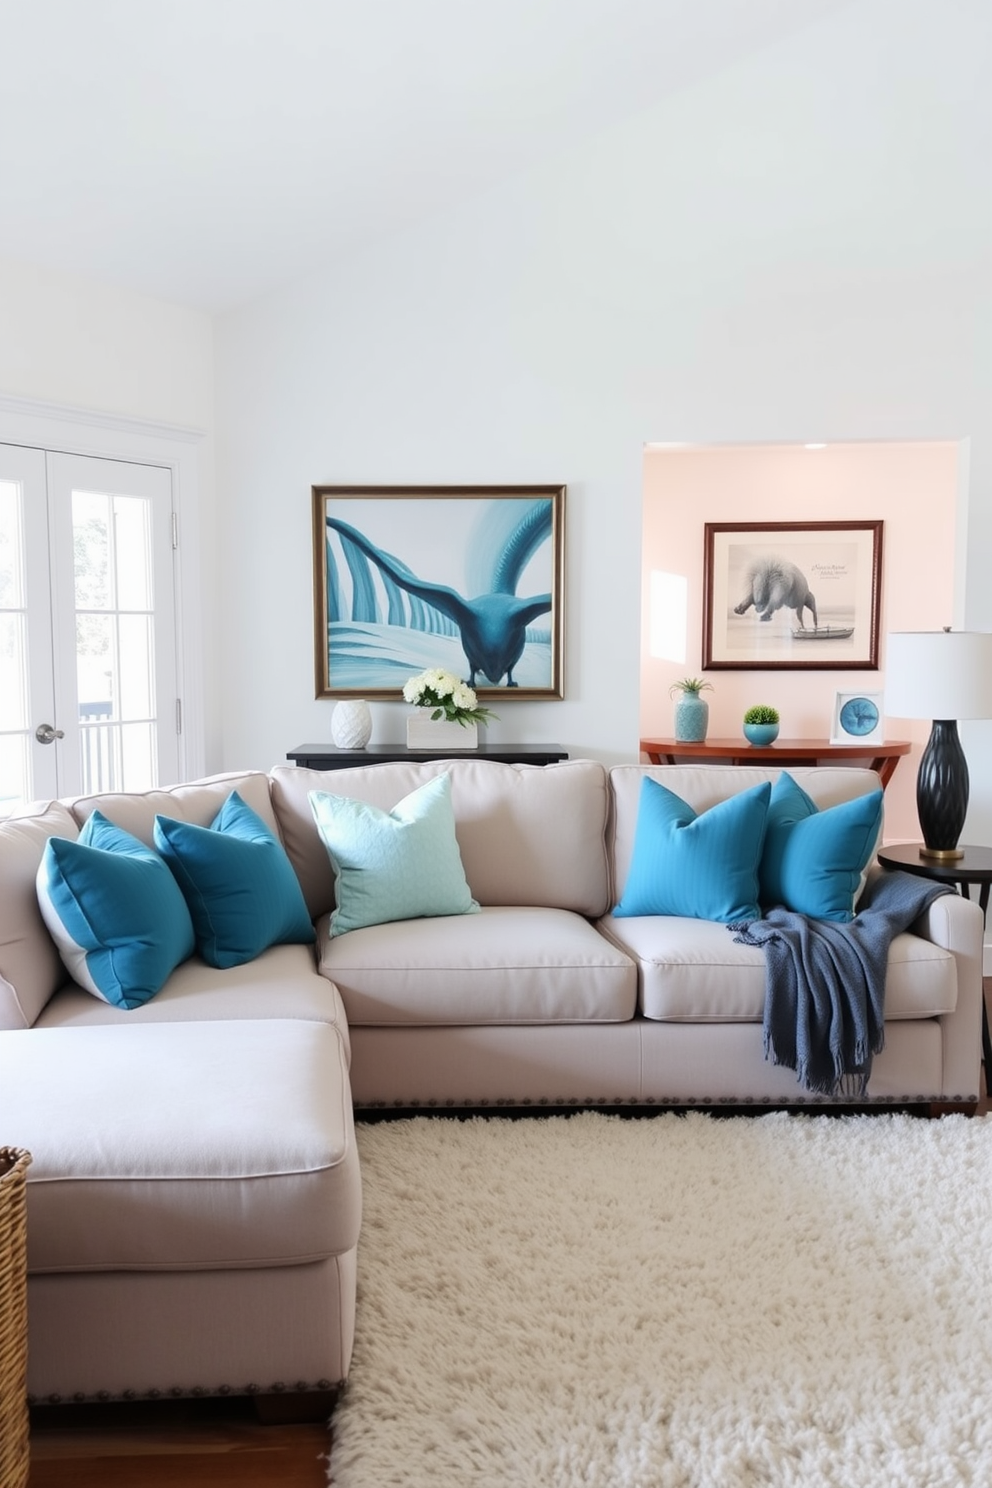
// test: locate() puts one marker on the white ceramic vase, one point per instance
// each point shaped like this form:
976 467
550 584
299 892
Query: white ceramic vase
424 732
351 723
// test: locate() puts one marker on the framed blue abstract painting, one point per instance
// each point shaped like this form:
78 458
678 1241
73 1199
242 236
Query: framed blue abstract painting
469 579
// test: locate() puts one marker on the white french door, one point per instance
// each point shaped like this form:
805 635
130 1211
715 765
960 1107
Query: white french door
88 672
27 680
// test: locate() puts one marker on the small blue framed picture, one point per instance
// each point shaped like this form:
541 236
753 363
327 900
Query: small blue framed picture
858 718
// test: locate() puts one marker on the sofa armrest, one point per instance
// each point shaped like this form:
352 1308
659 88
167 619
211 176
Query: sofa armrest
957 925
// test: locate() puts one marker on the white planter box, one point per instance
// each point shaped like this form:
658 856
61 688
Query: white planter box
422 732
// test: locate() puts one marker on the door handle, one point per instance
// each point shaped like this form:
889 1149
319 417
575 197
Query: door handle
46 734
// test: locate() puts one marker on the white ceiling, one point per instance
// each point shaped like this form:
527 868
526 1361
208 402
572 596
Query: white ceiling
205 151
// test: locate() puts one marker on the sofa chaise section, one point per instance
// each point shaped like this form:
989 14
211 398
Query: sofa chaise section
195 1202
183 1173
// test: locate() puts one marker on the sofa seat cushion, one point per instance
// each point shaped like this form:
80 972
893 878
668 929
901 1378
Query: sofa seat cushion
503 965
280 983
183 1146
693 971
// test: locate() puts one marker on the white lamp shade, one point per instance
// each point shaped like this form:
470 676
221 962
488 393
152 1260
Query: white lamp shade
939 674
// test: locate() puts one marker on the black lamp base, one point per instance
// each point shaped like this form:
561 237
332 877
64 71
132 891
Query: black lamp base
942 792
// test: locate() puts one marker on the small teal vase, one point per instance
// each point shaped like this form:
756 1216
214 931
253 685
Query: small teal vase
761 733
692 716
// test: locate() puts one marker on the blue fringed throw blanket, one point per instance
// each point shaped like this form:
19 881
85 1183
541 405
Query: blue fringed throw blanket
825 982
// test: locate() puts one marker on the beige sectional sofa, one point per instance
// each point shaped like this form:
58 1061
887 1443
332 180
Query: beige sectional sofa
194 1199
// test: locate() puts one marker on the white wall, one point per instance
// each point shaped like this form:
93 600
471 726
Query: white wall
796 250
138 365
73 341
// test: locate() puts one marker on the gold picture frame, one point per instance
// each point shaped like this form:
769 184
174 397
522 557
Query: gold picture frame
466 578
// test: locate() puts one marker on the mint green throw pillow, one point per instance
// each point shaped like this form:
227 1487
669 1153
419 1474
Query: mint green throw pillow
402 864
114 911
242 893
704 866
814 862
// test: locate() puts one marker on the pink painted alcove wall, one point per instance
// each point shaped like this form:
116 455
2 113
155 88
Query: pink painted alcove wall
911 488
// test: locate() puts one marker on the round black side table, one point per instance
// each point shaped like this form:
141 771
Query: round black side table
974 867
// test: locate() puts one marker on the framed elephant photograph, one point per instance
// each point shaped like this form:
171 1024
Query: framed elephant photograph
791 595
468 579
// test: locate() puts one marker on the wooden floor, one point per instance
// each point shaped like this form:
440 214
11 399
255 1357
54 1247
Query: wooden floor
182 1444
196 1444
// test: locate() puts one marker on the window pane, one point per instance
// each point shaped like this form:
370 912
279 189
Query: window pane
115 658
96 664
138 753
13 671
11 546
91 550
135 666
133 557
99 755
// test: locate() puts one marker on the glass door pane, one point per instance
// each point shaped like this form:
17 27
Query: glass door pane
118 638
115 641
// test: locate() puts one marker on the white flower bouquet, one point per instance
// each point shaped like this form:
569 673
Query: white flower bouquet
446 696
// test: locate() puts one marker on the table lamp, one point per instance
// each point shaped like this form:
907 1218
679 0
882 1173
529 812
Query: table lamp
942 675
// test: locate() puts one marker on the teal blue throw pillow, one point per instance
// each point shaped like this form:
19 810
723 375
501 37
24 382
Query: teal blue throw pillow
242 893
114 911
814 862
402 864
704 866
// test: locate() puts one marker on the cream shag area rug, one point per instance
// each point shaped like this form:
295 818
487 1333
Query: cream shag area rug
593 1302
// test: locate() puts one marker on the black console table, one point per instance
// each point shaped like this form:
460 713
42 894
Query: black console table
328 757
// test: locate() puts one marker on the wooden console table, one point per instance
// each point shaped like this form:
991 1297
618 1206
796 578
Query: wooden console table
883 757
328 757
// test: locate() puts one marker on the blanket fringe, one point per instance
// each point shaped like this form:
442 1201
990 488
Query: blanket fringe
741 931
849 1084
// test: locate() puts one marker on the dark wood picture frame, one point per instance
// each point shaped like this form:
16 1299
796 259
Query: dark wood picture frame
466 578
791 596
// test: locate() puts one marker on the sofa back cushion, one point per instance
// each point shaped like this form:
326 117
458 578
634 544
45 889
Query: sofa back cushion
702 786
30 966
197 803
528 834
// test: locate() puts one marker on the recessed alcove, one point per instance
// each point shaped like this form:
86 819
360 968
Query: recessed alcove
916 489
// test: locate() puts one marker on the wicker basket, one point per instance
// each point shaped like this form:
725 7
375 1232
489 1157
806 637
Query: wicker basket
14 1452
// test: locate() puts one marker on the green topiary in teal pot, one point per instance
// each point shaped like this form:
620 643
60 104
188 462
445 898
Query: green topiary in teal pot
761 724
692 712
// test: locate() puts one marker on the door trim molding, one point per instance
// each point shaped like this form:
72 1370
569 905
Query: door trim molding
111 436
94 418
